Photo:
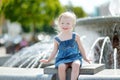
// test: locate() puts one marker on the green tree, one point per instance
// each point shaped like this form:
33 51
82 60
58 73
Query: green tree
77 10
34 15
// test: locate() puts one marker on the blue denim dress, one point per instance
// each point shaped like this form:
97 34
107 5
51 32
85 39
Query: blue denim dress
67 51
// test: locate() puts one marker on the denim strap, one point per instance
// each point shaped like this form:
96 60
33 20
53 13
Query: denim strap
73 36
57 39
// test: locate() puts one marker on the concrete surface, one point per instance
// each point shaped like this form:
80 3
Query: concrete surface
106 74
85 69
7 73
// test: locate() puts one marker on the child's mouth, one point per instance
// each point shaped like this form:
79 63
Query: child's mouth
65 28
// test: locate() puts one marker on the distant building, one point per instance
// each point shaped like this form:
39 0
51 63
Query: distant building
103 10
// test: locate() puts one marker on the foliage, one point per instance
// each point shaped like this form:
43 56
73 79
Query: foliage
77 10
34 15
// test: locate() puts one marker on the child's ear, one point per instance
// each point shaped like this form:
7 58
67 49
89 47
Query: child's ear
74 25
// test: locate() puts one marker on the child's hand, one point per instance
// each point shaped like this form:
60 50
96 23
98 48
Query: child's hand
44 61
87 60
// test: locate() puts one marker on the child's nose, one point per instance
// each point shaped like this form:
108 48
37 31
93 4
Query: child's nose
66 25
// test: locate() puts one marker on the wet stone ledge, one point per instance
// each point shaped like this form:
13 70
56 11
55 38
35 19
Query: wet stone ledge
87 69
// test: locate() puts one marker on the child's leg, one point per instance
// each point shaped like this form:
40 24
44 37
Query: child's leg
75 70
62 71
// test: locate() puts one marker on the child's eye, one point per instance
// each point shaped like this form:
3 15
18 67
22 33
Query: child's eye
62 23
68 23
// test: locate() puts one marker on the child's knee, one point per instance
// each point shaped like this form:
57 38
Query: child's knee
62 67
76 63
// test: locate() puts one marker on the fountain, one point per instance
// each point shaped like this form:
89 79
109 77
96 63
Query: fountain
105 46
105 26
99 40
25 65
97 37
29 57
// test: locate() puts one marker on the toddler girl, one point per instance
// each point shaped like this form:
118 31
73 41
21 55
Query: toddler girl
68 47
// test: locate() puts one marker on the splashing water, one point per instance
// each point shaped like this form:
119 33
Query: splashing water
29 57
106 39
115 58
93 50
102 52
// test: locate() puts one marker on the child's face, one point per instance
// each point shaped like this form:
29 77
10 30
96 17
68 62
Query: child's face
66 24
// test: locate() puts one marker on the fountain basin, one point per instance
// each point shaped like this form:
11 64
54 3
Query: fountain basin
103 25
3 59
98 20
106 74
7 73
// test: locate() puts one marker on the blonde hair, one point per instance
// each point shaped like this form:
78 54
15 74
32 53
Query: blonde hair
68 14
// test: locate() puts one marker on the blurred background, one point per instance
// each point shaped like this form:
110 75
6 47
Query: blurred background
26 22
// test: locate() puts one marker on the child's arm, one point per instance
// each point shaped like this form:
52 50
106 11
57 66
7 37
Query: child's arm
81 48
55 49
